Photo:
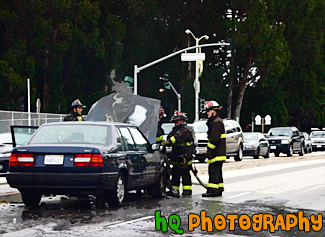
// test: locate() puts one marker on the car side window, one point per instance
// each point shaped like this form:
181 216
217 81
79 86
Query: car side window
127 139
141 142
120 145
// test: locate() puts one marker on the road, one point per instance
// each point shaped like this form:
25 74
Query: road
276 187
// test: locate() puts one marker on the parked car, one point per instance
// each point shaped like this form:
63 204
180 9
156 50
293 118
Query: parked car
318 140
6 143
308 144
256 145
234 139
87 158
285 140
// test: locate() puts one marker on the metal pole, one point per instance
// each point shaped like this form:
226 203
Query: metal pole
196 83
139 69
178 96
135 91
28 98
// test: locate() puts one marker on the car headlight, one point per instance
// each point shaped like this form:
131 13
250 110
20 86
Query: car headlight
285 141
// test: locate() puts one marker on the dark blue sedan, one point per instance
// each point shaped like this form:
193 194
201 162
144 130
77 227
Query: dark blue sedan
87 158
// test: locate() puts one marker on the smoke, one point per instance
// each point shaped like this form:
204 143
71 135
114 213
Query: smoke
119 87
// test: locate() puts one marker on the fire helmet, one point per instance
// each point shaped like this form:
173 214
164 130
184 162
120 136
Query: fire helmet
212 105
178 116
162 112
77 103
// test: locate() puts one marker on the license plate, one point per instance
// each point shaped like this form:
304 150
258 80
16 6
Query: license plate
273 147
319 146
53 159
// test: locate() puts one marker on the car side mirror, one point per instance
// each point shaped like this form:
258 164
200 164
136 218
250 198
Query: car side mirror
155 147
229 131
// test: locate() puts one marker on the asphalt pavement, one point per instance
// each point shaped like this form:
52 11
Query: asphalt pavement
247 165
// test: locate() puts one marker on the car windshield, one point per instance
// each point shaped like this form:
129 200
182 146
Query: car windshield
317 134
71 134
279 132
250 137
199 127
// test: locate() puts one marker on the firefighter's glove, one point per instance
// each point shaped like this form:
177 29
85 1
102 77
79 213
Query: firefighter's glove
164 143
195 172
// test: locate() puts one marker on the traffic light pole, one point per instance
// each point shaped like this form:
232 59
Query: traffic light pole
139 69
178 96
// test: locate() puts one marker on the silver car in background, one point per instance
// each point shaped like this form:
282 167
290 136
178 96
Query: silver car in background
256 145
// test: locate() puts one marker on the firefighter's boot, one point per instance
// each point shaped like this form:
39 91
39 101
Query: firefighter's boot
173 192
187 193
212 193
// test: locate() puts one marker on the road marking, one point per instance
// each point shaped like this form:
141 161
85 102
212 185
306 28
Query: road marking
128 222
238 195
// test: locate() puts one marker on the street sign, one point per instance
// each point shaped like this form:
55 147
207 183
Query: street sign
258 120
267 120
193 56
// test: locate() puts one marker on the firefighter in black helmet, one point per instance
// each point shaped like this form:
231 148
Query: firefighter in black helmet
181 138
216 150
75 111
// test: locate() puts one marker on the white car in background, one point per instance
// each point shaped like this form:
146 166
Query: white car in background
318 140
234 139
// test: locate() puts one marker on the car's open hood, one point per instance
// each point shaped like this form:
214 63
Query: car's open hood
128 108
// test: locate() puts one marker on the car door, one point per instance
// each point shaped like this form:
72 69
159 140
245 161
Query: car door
133 158
230 137
145 157
263 145
296 140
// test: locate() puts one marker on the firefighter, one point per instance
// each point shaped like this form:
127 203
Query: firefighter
216 149
181 138
75 111
160 130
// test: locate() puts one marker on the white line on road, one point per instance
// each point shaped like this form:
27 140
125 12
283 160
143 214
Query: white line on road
238 195
128 222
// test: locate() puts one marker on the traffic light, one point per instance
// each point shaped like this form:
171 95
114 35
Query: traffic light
248 127
129 82
202 105
165 78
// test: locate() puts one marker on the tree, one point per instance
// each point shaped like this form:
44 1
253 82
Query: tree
260 49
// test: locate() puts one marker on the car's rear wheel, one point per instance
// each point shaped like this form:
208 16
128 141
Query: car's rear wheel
239 155
277 154
257 153
267 155
31 198
116 196
159 188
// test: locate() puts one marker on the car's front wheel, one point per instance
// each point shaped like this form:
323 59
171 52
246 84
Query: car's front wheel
267 155
159 188
257 153
31 198
239 155
290 152
302 151
116 196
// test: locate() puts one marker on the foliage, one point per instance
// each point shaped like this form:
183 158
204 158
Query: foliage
70 49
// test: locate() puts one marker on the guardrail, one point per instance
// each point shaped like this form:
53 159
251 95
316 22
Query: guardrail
8 118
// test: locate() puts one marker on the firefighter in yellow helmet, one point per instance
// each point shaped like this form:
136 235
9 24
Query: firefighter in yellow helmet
181 138
75 111
216 149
